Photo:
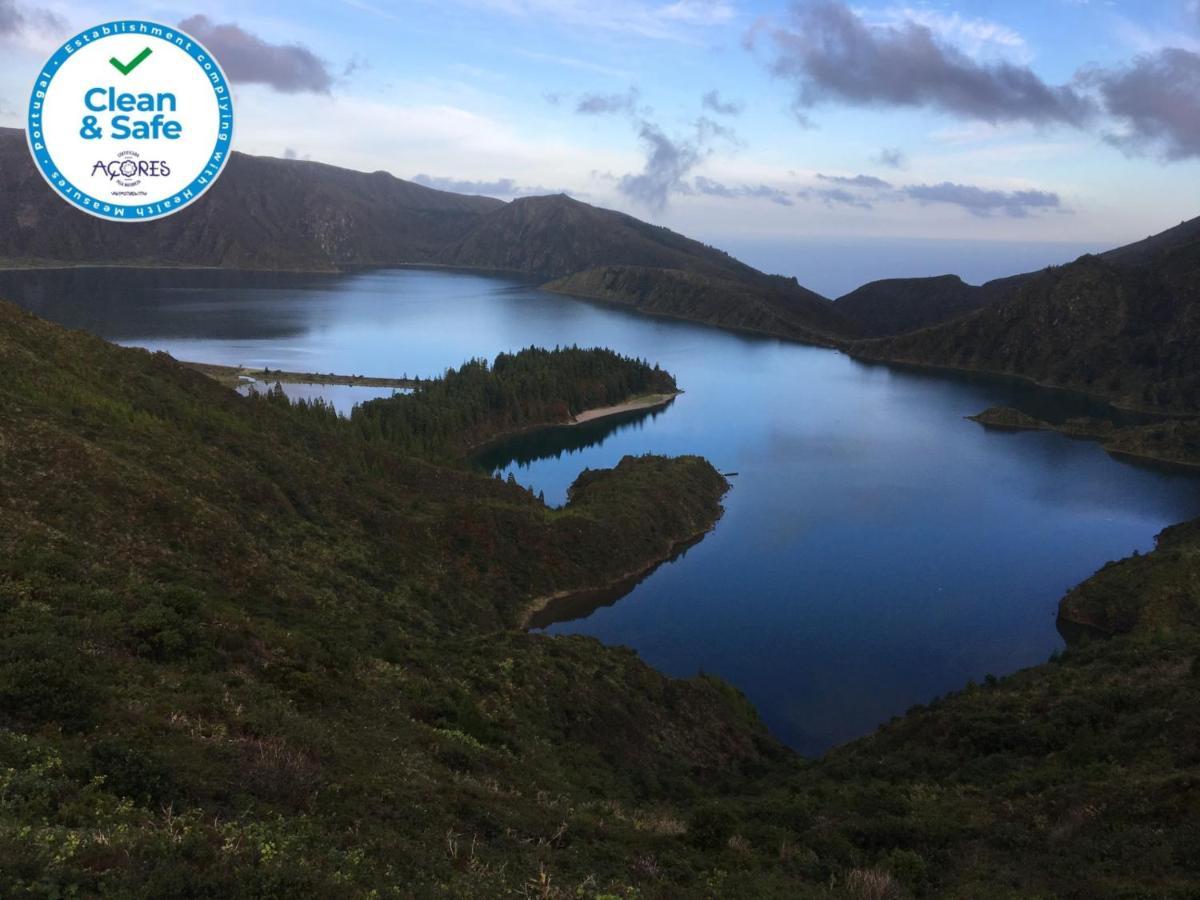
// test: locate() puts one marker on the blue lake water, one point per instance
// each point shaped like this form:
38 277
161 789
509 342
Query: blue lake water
342 397
877 549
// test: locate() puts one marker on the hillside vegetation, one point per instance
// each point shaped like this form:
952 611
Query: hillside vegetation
248 649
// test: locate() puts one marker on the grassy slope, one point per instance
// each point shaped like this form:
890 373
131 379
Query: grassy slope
244 651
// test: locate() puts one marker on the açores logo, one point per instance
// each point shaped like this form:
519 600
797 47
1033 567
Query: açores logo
131 120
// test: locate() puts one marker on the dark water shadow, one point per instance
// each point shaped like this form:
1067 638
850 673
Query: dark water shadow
581 604
116 302
554 441
1050 404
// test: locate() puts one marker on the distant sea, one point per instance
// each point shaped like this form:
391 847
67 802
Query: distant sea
836 266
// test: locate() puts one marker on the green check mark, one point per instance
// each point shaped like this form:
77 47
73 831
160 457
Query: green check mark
126 68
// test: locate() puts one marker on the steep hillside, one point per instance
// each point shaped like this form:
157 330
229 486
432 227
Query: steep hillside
897 305
776 307
1145 251
263 213
1128 331
557 235
1075 779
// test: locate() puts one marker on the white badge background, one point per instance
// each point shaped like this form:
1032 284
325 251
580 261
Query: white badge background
167 69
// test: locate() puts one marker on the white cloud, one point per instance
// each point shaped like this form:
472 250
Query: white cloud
974 36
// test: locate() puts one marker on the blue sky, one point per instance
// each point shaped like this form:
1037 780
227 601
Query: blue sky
1030 126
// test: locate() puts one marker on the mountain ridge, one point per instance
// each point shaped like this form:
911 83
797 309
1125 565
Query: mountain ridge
1123 325
268 213
896 305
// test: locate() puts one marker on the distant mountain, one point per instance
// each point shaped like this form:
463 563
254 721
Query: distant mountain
269 213
1125 325
895 306
263 213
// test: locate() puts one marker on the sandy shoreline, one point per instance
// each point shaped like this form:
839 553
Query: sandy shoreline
649 401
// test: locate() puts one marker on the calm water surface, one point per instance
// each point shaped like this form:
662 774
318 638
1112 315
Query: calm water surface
877 549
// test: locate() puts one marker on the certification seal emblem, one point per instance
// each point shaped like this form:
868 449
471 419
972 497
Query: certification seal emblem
131 120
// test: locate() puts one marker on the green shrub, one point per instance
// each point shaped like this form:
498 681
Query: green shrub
131 772
710 827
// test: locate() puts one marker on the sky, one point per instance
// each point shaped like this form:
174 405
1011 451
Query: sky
793 133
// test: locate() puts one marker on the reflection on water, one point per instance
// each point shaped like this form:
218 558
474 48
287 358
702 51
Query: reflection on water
123 304
877 548
1054 405
524 449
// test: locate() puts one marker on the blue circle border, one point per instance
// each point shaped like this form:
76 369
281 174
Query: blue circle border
104 209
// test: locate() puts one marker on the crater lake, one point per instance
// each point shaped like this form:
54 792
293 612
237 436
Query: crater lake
877 550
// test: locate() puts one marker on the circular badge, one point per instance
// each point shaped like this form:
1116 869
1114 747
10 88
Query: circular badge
130 121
